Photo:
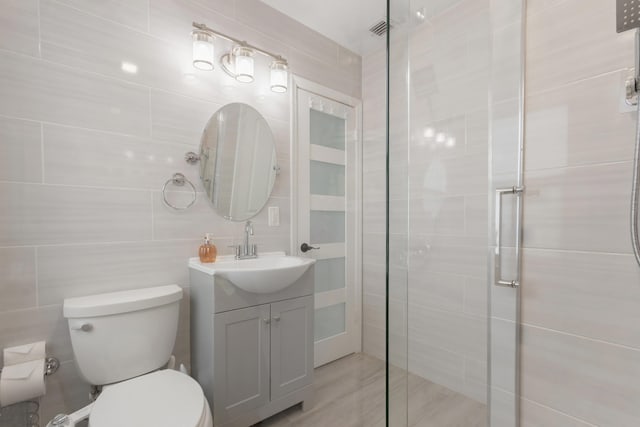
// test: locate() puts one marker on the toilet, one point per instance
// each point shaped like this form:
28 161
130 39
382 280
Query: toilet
121 341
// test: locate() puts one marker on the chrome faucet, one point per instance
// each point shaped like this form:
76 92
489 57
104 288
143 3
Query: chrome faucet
248 231
247 251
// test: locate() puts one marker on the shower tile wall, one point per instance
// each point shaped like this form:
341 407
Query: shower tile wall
373 205
448 175
374 231
581 286
447 203
85 148
580 354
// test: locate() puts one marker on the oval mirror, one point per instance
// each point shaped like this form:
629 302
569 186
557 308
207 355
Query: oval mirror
237 161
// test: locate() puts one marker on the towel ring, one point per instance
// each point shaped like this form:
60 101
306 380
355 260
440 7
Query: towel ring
179 180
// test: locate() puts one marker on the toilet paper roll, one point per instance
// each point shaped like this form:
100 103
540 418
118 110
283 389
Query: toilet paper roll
22 382
24 353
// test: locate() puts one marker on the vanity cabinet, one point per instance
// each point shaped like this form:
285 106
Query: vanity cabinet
291 354
263 354
251 353
241 363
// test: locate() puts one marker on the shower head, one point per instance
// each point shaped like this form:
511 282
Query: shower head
627 15
628 18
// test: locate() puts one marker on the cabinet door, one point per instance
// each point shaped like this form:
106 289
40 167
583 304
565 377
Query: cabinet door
241 365
291 345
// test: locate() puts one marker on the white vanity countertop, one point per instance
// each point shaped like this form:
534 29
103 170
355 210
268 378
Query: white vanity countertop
224 262
267 273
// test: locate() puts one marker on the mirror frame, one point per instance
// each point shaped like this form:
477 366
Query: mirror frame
230 128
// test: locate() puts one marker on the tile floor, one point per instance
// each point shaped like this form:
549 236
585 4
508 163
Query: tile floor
350 392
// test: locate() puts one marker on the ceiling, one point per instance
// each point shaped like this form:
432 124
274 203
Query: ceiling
346 22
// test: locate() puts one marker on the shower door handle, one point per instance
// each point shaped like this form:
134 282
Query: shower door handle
517 191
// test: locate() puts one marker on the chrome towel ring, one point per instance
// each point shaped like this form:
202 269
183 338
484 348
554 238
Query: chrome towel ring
179 180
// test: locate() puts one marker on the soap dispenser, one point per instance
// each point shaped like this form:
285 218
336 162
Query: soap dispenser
207 251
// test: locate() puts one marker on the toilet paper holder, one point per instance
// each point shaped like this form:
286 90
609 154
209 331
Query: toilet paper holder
51 366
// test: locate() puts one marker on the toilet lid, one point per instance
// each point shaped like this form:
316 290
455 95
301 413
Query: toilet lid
165 398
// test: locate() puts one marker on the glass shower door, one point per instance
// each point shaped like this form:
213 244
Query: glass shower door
454 138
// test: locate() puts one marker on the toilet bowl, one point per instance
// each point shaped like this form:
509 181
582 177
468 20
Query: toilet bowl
165 398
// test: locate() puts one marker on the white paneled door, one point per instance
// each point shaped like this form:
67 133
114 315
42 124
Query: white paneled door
328 213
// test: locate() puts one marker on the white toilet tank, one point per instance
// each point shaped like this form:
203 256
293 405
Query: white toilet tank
121 335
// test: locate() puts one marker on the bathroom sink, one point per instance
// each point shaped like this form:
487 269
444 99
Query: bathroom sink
270 272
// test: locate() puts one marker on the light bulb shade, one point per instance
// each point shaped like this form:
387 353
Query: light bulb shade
202 51
243 64
279 76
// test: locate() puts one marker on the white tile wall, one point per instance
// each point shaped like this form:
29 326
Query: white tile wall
535 415
374 211
19 26
443 333
86 147
18 270
35 89
571 374
448 182
580 293
132 13
580 343
580 284
20 150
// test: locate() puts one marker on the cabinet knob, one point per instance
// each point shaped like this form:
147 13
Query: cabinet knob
267 321
276 317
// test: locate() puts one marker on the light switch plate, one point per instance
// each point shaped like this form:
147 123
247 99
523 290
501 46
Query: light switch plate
274 216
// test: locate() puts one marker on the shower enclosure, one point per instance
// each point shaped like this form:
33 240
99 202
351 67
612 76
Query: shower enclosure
455 73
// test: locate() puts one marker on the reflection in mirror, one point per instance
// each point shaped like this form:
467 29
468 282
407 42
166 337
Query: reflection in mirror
237 161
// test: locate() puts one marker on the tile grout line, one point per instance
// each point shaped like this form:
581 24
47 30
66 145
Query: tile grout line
37 308
144 139
133 84
153 223
112 243
561 86
535 402
93 187
42 172
150 115
39 18
148 17
87 187
172 43
37 274
576 251
544 9
582 337
571 167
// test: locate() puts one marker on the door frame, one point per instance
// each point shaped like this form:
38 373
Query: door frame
299 83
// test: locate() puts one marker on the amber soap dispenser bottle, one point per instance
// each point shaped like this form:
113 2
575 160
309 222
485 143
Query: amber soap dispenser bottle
207 251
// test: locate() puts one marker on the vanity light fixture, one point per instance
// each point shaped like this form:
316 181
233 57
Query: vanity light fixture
239 63
279 76
244 64
202 50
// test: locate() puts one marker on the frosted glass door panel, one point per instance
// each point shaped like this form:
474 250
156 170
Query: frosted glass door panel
329 274
327 179
327 227
328 167
327 130
329 321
